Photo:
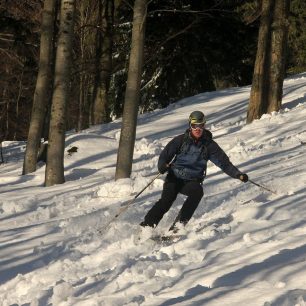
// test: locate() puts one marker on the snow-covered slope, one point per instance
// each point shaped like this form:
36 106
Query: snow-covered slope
244 245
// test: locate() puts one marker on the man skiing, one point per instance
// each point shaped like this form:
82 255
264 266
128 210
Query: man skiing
185 158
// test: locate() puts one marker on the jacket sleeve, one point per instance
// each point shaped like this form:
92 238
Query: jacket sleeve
169 152
221 160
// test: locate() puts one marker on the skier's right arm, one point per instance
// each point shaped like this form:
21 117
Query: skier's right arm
168 153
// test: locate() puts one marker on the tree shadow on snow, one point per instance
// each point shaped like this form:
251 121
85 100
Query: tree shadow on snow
190 293
226 283
26 257
283 258
292 297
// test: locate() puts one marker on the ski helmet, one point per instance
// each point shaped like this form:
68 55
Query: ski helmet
197 117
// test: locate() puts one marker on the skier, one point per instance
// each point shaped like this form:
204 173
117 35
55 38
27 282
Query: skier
189 153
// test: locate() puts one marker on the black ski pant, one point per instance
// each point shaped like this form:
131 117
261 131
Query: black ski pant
192 189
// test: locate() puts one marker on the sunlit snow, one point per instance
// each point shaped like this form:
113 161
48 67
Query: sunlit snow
244 245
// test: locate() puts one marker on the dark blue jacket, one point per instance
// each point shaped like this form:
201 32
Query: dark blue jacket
191 157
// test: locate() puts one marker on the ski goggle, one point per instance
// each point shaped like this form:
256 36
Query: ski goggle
195 126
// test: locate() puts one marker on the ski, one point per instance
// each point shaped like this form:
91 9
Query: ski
167 238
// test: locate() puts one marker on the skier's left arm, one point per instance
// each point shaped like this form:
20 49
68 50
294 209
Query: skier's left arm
221 160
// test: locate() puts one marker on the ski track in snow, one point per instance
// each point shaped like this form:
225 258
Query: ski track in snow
244 245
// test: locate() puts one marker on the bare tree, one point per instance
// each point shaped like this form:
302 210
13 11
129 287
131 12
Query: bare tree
1 154
103 61
42 90
278 54
20 24
85 36
269 70
132 93
55 157
258 99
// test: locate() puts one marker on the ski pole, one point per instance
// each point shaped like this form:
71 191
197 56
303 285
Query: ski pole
172 227
263 187
125 207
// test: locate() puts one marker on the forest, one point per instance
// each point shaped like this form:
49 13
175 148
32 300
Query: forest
188 47
152 152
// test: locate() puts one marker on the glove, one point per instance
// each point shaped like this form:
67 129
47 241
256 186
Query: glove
163 168
243 177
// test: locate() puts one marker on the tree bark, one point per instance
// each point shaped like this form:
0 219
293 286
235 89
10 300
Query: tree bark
132 93
258 98
278 54
55 157
42 90
85 17
269 70
104 62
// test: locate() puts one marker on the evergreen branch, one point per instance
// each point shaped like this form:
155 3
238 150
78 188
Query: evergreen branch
170 38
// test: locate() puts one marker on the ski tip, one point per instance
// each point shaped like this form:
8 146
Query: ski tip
166 238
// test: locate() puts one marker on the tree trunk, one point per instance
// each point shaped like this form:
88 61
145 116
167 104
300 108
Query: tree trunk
55 157
278 54
85 12
1 153
104 62
132 93
42 90
258 98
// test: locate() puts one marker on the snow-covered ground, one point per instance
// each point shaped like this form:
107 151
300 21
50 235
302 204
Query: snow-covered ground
244 245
